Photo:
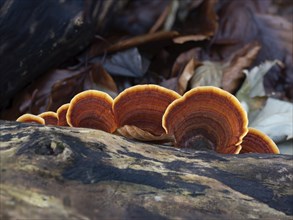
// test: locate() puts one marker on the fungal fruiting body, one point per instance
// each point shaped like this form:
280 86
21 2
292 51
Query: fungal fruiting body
207 116
139 110
61 114
49 117
91 109
204 117
30 118
257 142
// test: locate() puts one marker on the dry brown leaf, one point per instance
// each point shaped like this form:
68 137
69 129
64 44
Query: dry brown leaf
58 87
99 79
233 68
187 74
134 132
200 74
37 97
54 89
183 59
62 91
102 46
242 22
142 39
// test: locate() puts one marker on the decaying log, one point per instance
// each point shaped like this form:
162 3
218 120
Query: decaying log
37 36
56 173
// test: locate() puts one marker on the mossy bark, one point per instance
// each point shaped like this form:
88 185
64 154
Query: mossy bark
55 172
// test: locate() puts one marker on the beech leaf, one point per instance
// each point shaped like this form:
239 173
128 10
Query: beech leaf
271 116
208 74
275 119
233 68
253 85
286 147
197 74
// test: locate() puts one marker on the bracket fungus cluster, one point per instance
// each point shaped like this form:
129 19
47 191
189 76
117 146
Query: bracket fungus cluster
204 117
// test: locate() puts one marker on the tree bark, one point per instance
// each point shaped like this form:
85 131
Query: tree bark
52 172
37 36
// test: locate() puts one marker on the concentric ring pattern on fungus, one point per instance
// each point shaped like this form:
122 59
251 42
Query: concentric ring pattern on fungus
49 117
61 114
207 116
92 109
204 117
143 106
257 142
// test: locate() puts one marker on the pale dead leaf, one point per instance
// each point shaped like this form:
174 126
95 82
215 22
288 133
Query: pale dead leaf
133 132
252 93
200 74
172 15
286 147
275 120
162 18
273 117
208 74
186 38
253 85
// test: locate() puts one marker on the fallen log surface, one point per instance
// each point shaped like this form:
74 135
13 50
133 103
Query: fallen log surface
38 36
56 173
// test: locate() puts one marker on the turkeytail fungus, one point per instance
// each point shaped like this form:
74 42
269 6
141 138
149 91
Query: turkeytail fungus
61 114
207 117
204 117
49 117
139 110
257 142
30 118
92 109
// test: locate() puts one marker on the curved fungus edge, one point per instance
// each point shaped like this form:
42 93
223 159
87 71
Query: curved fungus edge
62 109
27 118
270 144
47 116
219 91
143 90
128 130
86 94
